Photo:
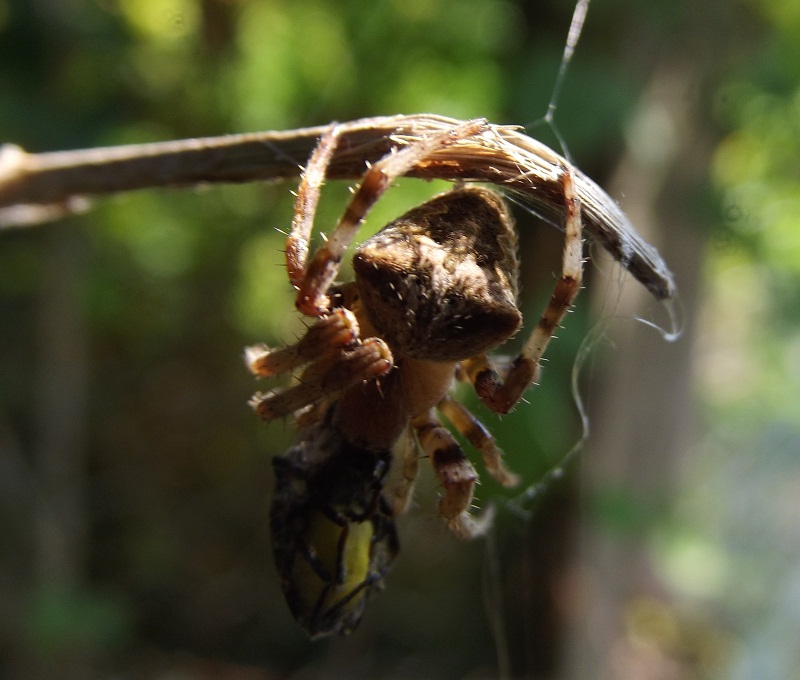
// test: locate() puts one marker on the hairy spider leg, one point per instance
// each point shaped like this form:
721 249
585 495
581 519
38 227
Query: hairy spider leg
475 433
501 394
305 205
318 274
456 475
331 333
406 451
326 378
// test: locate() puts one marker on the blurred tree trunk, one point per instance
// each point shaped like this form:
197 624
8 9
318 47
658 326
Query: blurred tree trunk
60 531
640 404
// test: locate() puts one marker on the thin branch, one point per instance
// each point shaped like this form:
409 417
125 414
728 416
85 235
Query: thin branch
40 187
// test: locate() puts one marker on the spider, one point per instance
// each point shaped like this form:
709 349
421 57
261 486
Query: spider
434 291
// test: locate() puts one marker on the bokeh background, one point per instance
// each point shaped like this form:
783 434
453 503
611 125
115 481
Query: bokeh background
135 482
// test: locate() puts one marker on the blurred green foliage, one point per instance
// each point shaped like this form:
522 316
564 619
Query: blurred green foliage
167 563
171 285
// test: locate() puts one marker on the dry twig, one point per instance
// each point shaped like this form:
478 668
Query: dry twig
40 187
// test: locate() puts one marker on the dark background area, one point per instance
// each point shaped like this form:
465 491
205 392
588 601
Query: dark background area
135 482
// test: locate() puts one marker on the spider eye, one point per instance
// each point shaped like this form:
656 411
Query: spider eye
332 531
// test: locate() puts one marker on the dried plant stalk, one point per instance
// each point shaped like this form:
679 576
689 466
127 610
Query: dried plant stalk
40 187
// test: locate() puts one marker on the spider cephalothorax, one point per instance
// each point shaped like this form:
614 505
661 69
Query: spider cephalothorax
434 291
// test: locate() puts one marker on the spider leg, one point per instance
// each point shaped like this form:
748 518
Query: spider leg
501 394
312 298
476 434
305 205
326 377
331 333
406 450
456 475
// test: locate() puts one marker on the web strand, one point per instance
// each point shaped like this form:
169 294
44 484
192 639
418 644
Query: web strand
573 36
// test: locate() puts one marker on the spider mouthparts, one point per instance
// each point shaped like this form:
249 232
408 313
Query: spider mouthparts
312 305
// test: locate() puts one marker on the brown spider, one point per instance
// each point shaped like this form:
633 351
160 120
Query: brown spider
434 291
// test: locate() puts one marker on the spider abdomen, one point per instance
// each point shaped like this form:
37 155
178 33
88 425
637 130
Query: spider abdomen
440 282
